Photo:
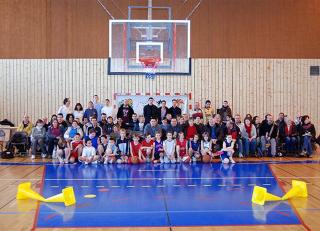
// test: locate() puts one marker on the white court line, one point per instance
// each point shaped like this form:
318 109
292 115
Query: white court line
176 185
99 186
54 186
145 186
154 170
161 186
115 186
266 184
192 185
251 184
207 185
222 185
130 186
169 178
84 186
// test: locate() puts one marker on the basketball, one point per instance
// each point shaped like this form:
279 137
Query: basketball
206 159
134 160
186 159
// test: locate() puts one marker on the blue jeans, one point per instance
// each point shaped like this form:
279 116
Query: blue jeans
239 144
272 142
307 145
291 144
249 146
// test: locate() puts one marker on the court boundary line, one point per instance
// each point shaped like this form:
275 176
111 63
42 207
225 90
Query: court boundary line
290 203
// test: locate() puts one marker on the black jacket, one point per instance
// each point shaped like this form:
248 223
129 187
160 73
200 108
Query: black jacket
125 115
266 128
150 111
175 111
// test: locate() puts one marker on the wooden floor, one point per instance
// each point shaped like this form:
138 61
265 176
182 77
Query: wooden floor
20 215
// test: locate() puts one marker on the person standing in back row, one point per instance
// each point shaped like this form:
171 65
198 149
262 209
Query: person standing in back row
150 111
225 111
175 110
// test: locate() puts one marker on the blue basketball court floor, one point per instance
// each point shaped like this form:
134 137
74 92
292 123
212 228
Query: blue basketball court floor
162 195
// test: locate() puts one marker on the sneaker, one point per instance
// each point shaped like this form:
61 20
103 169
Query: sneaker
33 157
303 153
86 163
66 161
60 159
232 160
43 155
54 154
240 155
194 159
280 154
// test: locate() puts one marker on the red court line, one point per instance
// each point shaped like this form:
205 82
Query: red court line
35 221
293 207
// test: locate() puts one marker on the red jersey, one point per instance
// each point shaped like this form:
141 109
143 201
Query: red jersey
74 145
146 144
191 131
182 145
135 148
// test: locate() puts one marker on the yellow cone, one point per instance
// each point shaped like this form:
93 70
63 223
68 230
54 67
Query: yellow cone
67 196
25 192
260 196
299 189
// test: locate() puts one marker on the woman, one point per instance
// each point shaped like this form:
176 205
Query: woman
69 119
249 135
65 108
53 134
288 135
308 134
63 151
37 138
78 111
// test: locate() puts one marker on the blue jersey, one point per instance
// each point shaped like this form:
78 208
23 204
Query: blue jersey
195 145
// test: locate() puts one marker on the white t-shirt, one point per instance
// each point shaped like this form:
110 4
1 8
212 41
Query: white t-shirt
88 151
78 114
107 110
169 147
65 110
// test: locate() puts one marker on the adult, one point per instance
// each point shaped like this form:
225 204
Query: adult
225 111
175 111
240 125
107 108
65 108
25 126
53 134
174 128
125 112
308 135
152 128
78 111
90 111
268 134
249 135
163 110
38 135
72 131
62 124
207 111
288 135
98 106
150 111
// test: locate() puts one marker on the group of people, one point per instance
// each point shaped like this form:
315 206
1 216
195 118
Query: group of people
164 135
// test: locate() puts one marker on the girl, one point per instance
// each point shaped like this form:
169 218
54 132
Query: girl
76 148
63 152
89 154
182 147
65 108
206 147
135 150
308 134
147 149
227 150
78 111
169 146
191 130
158 148
194 148
53 134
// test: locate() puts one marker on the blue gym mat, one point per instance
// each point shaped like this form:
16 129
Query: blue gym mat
162 195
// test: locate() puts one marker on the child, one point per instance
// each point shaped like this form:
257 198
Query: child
89 153
63 152
169 146
227 150
102 148
194 148
141 124
158 149
191 130
123 146
135 150
206 146
147 149
76 148
111 152
93 137
182 147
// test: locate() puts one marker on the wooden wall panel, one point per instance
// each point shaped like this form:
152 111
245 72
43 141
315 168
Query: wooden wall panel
256 86
219 28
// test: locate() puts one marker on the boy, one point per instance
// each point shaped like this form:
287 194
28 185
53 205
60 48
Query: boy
135 150
89 153
147 149
182 147
169 147
194 148
191 130
227 150
102 148
158 148
111 152
76 148
134 124
93 137
123 146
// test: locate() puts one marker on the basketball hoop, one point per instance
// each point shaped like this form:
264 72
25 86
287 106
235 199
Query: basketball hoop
150 66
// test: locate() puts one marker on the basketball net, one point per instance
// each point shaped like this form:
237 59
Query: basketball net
149 66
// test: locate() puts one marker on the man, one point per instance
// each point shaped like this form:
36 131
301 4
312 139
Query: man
150 111
175 110
90 111
107 108
163 110
25 126
268 134
62 124
174 128
152 128
98 106
240 125
207 111
95 127
134 124
225 111
125 112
